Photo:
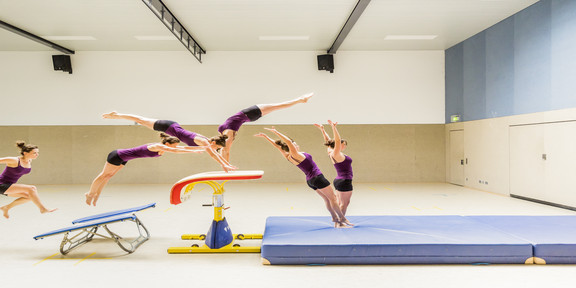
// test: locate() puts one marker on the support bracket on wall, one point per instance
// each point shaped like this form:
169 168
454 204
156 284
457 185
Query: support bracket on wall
170 21
35 38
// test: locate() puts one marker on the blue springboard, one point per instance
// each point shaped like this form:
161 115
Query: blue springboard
113 213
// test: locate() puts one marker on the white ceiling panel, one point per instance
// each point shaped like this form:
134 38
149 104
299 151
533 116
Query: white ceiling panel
238 25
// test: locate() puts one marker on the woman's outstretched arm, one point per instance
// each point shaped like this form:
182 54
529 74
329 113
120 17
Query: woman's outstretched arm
294 153
337 138
324 134
271 141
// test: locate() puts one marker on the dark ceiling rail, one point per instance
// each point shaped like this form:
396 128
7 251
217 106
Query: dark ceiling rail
172 23
354 16
33 37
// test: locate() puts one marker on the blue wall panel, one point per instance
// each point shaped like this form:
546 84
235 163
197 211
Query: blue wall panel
474 79
563 53
454 88
532 59
524 64
500 69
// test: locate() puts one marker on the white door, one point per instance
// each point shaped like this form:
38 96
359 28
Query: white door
457 157
560 169
527 161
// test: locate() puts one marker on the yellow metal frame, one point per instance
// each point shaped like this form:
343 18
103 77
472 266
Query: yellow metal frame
218 203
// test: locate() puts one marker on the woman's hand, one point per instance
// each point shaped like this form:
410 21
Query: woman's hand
272 129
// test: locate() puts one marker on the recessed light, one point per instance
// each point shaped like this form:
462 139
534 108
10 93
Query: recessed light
155 38
89 38
284 38
410 37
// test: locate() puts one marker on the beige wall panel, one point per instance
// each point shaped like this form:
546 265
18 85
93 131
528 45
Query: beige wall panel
430 159
381 153
387 152
55 164
90 146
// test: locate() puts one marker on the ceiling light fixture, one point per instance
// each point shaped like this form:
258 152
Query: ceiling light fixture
66 38
155 38
410 37
284 38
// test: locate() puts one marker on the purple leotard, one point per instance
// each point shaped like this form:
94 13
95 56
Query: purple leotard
10 175
309 168
234 122
344 168
184 135
136 152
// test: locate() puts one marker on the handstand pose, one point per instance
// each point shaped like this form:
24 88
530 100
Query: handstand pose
16 167
342 163
314 177
174 129
117 159
251 114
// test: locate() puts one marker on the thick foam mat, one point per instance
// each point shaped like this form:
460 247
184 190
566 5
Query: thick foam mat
553 237
390 240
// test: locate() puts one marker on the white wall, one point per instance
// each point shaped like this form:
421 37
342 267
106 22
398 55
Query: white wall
366 87
487 148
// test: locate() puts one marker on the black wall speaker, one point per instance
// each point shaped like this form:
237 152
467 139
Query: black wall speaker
62 63
326 62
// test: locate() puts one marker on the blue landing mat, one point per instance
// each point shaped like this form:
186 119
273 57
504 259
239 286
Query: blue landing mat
553 237
390 240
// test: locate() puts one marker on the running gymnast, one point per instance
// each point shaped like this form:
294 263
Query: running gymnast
342 163
251 114
314 177
16 167
174 129
117 159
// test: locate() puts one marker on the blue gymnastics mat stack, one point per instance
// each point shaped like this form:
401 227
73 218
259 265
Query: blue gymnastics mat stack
421 240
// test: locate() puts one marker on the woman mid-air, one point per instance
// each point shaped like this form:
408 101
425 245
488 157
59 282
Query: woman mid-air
314 177
16 167
342 164
174 129
117 159
251 114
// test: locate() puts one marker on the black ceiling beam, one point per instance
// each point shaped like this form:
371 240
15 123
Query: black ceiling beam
35 38
163 13
354 16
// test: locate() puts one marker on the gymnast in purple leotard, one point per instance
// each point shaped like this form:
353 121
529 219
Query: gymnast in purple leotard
314 177
172 128
251 114
117 159
342 164
17 167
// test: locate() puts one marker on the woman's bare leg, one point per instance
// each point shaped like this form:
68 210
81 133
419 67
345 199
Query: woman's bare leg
334 208
101 181
147 122
344 200
328 206
268 108
14 203
24 193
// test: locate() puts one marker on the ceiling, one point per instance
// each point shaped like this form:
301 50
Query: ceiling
237 25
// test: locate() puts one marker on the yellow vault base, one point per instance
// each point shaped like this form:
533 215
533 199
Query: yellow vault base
230 248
